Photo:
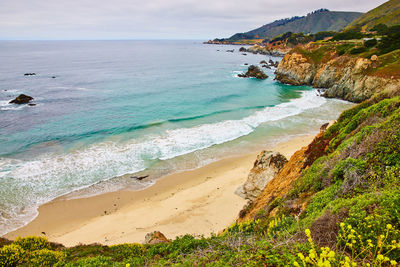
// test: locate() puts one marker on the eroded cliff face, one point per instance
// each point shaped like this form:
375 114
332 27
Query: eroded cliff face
266 166
344 77
280 185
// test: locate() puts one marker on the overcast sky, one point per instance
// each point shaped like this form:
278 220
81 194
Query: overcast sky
152 19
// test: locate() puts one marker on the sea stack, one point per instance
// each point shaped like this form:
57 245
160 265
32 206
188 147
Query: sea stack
21 99
255 72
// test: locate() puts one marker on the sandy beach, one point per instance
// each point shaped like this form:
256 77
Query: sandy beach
200 201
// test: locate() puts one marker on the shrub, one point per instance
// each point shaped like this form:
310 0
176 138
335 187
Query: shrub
98 261
370 254
11 255
347 35
370 43
32 243
381 29
123 251
358 50
45 257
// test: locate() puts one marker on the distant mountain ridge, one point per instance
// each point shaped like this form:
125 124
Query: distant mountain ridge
319 20
388 13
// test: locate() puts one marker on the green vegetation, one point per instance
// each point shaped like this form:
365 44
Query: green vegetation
387 13
300 38
344 210
317 21
351 197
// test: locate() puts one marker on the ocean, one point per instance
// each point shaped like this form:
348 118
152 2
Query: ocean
108 110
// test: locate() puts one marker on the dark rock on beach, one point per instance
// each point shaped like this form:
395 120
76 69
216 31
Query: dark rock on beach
21 99
254 71
139 177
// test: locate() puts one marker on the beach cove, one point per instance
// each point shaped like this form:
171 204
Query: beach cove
199 202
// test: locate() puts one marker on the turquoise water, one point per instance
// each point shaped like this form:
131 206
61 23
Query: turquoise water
123 107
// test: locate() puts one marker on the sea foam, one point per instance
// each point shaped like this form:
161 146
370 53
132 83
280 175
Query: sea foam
31 183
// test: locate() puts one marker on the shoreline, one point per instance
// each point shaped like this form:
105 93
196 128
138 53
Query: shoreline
199 201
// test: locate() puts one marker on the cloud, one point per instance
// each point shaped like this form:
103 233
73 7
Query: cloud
185 19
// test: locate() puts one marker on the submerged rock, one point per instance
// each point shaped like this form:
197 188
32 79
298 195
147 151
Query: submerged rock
21 99
254 71
155 237
231 51
266 166
30 74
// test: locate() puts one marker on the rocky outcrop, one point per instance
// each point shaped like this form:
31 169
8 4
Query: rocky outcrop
255 72
279 186
21 99
344 77
155 237
266 166
264 50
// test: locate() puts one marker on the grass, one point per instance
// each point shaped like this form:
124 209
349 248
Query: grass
351 201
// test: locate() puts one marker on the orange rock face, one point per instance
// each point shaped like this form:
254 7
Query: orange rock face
155 237
281 184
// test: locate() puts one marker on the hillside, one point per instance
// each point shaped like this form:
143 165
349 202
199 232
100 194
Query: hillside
317 21
387 13
335 202
353 70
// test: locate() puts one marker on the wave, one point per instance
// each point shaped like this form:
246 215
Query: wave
5 105
30 183
117 130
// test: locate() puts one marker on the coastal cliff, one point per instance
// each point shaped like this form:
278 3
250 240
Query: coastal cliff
350 78
282 182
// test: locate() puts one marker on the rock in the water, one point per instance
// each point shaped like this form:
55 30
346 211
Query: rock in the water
254 71
21 99
265 66
267 165
246 64
31 104
242 49
231 51
155 237
263 62
244 54
30 74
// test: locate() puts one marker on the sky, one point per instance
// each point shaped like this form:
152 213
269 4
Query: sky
152 19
